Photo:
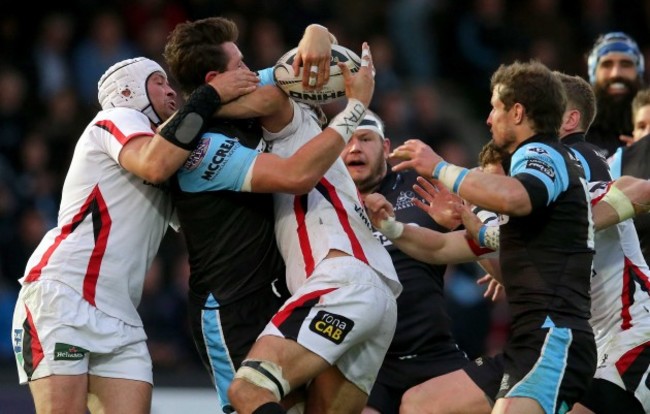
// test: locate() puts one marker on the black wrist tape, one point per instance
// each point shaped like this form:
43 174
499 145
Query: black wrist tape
187 125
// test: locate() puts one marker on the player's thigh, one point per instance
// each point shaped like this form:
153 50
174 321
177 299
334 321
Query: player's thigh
517 405
60 394
450 393
331 392
580 409
117 395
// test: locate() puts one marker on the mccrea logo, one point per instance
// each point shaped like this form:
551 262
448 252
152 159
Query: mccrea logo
331 326
219 159
68 352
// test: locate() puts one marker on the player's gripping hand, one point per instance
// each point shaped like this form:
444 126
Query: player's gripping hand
314 54
234 83
361 85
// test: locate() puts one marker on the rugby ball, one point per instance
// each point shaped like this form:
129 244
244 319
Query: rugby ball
333 90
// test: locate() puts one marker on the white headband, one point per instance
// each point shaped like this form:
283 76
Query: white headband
125 85
372 123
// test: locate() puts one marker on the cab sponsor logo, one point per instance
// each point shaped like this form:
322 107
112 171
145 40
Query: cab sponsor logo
195 158
331 326
219 159
542 167
67 352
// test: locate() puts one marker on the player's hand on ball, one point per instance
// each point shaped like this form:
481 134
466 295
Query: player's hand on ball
314 54
234 83
360 86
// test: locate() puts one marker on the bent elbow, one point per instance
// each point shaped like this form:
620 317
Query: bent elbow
514 203
156 173
303 184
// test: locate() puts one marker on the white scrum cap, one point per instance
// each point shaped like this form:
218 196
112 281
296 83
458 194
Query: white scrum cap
372 122
125 85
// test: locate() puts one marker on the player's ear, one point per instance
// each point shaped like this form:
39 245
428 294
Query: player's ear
387 146
210 75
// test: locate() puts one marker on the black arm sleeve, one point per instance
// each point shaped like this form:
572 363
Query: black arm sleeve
187 125
536 190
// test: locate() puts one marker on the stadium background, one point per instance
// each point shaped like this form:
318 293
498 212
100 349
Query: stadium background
433 58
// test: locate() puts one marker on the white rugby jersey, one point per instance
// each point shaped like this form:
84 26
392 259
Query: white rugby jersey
330 216
110 221
620 282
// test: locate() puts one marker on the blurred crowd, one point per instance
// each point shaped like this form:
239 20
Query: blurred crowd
433 59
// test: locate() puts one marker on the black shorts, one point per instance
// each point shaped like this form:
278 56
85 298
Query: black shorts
396 376
223 335
604 397
486 372
553 366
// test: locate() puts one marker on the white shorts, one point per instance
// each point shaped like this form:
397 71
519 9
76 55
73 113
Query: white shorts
625 361
56 332
345 313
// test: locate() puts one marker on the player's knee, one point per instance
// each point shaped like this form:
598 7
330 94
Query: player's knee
409 402
263 374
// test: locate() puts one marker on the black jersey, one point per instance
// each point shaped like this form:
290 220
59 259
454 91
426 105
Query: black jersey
423 326
633 160
229 234
546 256
590 156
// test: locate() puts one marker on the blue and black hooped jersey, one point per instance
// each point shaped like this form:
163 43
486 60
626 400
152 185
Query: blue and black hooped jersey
591 158
546 256
229 234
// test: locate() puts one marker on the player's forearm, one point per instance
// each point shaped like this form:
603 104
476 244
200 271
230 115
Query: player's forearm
310 163
152 159
433 247
504 195
265 101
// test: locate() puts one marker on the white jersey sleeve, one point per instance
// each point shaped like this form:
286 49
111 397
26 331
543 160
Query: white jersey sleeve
110 222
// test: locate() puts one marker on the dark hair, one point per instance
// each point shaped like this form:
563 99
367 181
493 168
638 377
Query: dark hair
535 87
195 48
580 96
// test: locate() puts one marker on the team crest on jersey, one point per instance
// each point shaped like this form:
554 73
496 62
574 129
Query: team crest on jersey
195 158
404 200
331 326
542 167
67 352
